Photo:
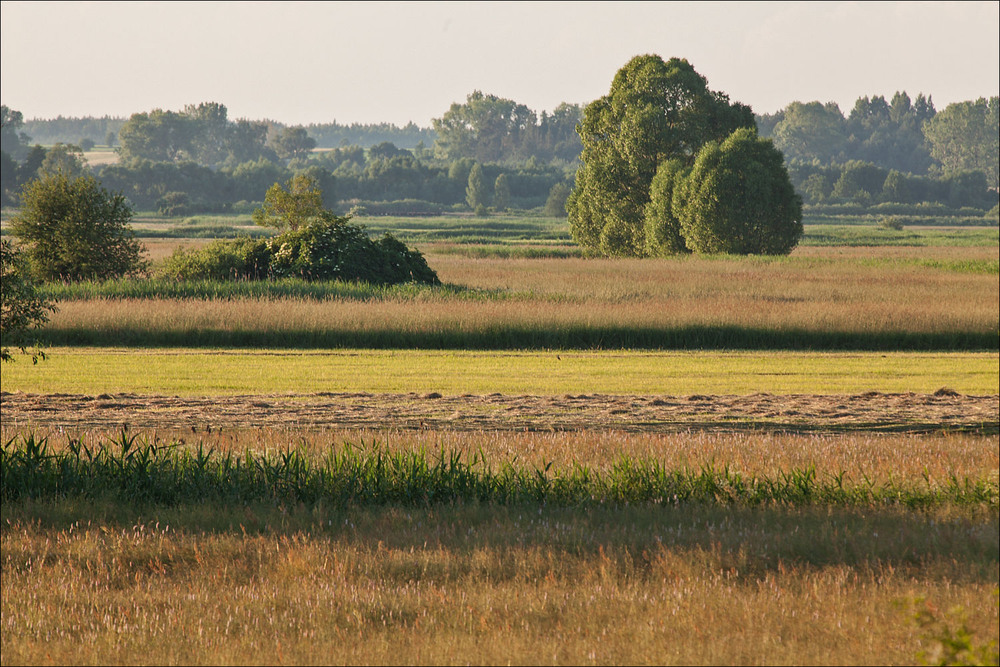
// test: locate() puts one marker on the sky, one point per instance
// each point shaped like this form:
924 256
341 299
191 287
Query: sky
397 62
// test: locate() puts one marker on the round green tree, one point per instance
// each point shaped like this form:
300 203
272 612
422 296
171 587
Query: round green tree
74 229
663 229
738 199
655 111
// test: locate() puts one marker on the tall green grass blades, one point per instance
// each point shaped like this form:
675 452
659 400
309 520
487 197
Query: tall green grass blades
130 468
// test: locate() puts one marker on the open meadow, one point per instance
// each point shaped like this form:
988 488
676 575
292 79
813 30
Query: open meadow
550 460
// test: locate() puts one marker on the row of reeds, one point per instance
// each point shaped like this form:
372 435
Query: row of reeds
131 468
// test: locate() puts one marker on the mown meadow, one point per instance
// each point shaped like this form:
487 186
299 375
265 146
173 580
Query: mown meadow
389 544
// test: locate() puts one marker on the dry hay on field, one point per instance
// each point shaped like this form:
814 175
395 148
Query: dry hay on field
944 410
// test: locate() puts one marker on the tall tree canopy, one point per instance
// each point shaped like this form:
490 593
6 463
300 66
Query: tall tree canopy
484 128
655 111
811 131
202 133
966 137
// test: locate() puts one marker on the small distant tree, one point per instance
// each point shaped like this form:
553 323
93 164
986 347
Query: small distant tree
555 205
291 143
65 159
475 191
501 193
21 307
74 229
86 144
290 207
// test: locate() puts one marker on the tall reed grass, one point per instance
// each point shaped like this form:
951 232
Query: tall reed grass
131 468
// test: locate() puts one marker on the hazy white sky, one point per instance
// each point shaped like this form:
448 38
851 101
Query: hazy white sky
396 62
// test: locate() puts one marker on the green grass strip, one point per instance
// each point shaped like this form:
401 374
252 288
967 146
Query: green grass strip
515 336
132 469
190 372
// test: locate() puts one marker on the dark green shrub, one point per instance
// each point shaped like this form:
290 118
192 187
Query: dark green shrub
663 229
174 204
326 248
331 248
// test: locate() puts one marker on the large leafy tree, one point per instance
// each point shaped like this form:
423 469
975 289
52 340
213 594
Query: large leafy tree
812 131
738 199
210 135
966 137
161 136
291 142
486 128
655 111
74 229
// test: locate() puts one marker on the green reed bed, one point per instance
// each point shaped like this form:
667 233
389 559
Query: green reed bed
514 336
132 468
288 288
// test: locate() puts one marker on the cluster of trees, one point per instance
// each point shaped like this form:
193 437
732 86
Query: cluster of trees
670 166
80 131
904 135
312 244
864 184
198 160
365 135
73 229
488 128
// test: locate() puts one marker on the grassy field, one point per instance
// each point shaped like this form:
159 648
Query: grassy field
218 372
798 579
804 531
938 298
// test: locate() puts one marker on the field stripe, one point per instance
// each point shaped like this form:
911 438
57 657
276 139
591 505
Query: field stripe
189 372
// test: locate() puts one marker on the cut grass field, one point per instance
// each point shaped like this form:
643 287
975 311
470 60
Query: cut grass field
189 372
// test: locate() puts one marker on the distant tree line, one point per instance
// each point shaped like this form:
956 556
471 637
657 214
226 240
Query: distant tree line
199 160
903 135
335 135
60 130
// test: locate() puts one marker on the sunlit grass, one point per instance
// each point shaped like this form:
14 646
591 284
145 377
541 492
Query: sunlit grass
806 303
211 372
89 580
86 582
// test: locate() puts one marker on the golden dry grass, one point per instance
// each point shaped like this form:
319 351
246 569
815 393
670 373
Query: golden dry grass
491 585
87 582
819 290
